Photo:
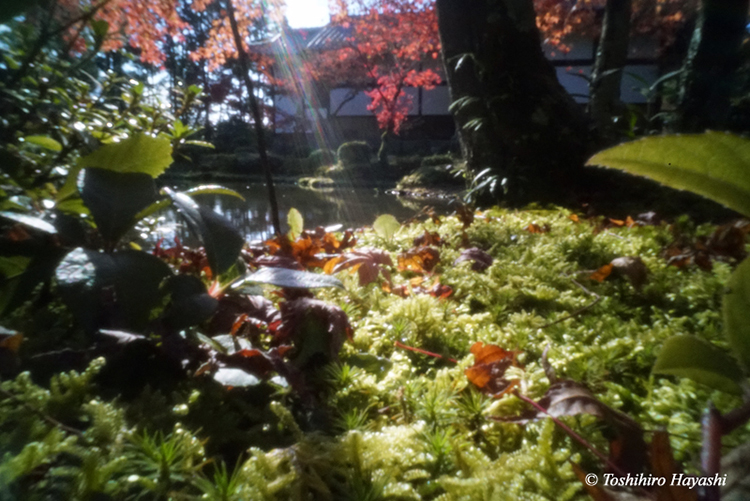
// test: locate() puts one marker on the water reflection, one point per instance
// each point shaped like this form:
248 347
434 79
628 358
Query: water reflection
350 207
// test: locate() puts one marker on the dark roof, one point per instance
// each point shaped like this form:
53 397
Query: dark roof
328 37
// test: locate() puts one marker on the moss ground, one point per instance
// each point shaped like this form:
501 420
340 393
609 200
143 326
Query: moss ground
403 425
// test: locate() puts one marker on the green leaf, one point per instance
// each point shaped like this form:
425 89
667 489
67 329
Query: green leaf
30 221
701 361
715 164
223 243
135 277
235 377
386 226
736 309
282 277
11 267
213 189
153 208
296 223
115 198
100 28
190 303
196 142
44 142
138 154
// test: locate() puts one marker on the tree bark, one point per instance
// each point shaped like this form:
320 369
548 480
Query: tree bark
255 109
611 56
711 64
511 113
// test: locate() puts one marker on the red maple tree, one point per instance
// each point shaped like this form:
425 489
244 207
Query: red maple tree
388 47
558 19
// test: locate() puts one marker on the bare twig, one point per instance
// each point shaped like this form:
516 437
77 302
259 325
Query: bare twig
49 419
578 311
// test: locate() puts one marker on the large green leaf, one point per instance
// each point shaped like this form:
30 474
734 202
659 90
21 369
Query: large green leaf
715 164
699 360
736 309
222 242
135 277
30 221
386 226
296 223
213 189
190 303
45 142
283 277
140 153
115 198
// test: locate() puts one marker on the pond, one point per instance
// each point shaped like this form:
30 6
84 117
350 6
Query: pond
348 206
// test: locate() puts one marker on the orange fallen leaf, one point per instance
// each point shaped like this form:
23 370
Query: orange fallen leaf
602 273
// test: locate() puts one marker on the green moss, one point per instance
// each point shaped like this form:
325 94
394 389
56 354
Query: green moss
400 424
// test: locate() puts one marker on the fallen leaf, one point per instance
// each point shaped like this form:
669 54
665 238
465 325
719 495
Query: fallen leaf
631 267
479 258
490 364
368 263
602 273
535 228
420 260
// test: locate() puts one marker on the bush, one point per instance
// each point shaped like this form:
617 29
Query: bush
430 175
445 159
354 153
321 158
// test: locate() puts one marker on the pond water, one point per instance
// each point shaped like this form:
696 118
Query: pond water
350 207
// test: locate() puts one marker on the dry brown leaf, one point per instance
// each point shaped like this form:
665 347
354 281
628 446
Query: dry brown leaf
633 268
602 273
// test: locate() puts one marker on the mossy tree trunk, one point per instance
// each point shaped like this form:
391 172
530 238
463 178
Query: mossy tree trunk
611 56
511 113
711 64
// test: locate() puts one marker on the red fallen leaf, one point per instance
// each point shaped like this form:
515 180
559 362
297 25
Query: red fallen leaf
617 222
479 258
429 238
12 342
369 263
729 240
574 218
399 290
440 291
569 398
465 214
257 312
490 363
535 228
419 260
313 328
629 222
17 233
602 273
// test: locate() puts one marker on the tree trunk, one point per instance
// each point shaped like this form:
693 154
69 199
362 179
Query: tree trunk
711 65
611 56
255 108
511 113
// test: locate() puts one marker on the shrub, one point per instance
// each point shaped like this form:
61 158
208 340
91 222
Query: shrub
321 158
445 159
354 153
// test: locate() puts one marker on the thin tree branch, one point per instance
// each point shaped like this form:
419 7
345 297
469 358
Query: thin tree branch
578 311
46 417
255 108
